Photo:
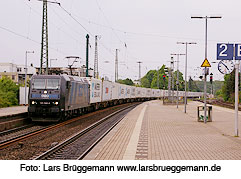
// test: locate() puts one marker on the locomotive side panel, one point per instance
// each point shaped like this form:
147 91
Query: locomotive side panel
78 95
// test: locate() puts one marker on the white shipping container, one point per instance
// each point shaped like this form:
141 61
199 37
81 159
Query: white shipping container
133 91
127 91
158 93
95 89
153 93
106 91
166 93
148 92
115 91
143 92
181 93
138 92
121 91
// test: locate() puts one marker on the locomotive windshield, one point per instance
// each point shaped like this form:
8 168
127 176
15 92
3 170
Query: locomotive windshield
52 84
46 84
39 84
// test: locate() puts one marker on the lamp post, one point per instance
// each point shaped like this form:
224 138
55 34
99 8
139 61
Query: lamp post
26 61
139 71
177 82
87 55
116 64
185 98
205 68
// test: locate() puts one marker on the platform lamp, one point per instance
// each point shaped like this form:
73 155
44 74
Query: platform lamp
26 69
205 68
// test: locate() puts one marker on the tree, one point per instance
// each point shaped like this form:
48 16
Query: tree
229 87
9 92
150 79
150 75
181 86
127 81
192 86
145 82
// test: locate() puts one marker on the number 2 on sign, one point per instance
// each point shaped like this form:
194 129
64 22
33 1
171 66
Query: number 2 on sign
222 53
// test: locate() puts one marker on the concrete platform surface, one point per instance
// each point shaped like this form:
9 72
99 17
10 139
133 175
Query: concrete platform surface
153 131
13 110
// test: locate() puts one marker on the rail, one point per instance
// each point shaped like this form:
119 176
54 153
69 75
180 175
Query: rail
87 138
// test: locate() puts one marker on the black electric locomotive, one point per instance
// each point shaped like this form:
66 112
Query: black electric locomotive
56 97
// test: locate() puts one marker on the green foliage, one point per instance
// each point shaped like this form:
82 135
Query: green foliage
181 85
9 92
145 83
127 81
229 87
192 86
217 85
149 76
150 80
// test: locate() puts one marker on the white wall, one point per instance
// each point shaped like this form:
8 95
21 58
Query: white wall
8 67
22 94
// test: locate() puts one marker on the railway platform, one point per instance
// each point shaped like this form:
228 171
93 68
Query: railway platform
153 131
12 117
15 110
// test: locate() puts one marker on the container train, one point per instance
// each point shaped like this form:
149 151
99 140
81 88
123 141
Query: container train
56 97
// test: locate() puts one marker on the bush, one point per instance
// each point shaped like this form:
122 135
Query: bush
8 92
219 93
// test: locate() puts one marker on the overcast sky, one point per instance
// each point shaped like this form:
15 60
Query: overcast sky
143 30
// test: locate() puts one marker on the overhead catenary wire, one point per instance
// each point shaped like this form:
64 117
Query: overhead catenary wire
55 25
110 27
27 38
109 22
75 20
92 35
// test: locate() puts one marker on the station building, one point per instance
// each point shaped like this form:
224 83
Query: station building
16 72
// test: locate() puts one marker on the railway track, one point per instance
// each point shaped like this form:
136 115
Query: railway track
221 103
5 140
7 132
17 134
80 144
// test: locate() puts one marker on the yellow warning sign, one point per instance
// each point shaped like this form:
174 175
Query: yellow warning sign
206 63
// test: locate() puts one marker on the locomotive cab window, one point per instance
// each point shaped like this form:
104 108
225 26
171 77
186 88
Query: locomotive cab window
46 83
52 84
39 84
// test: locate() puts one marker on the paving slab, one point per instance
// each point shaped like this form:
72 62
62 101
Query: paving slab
153 131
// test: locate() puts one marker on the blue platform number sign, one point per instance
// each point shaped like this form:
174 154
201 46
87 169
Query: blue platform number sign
225 51
237 51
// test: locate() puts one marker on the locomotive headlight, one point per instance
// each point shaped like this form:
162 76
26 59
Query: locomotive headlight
33 102
45 92
56 103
